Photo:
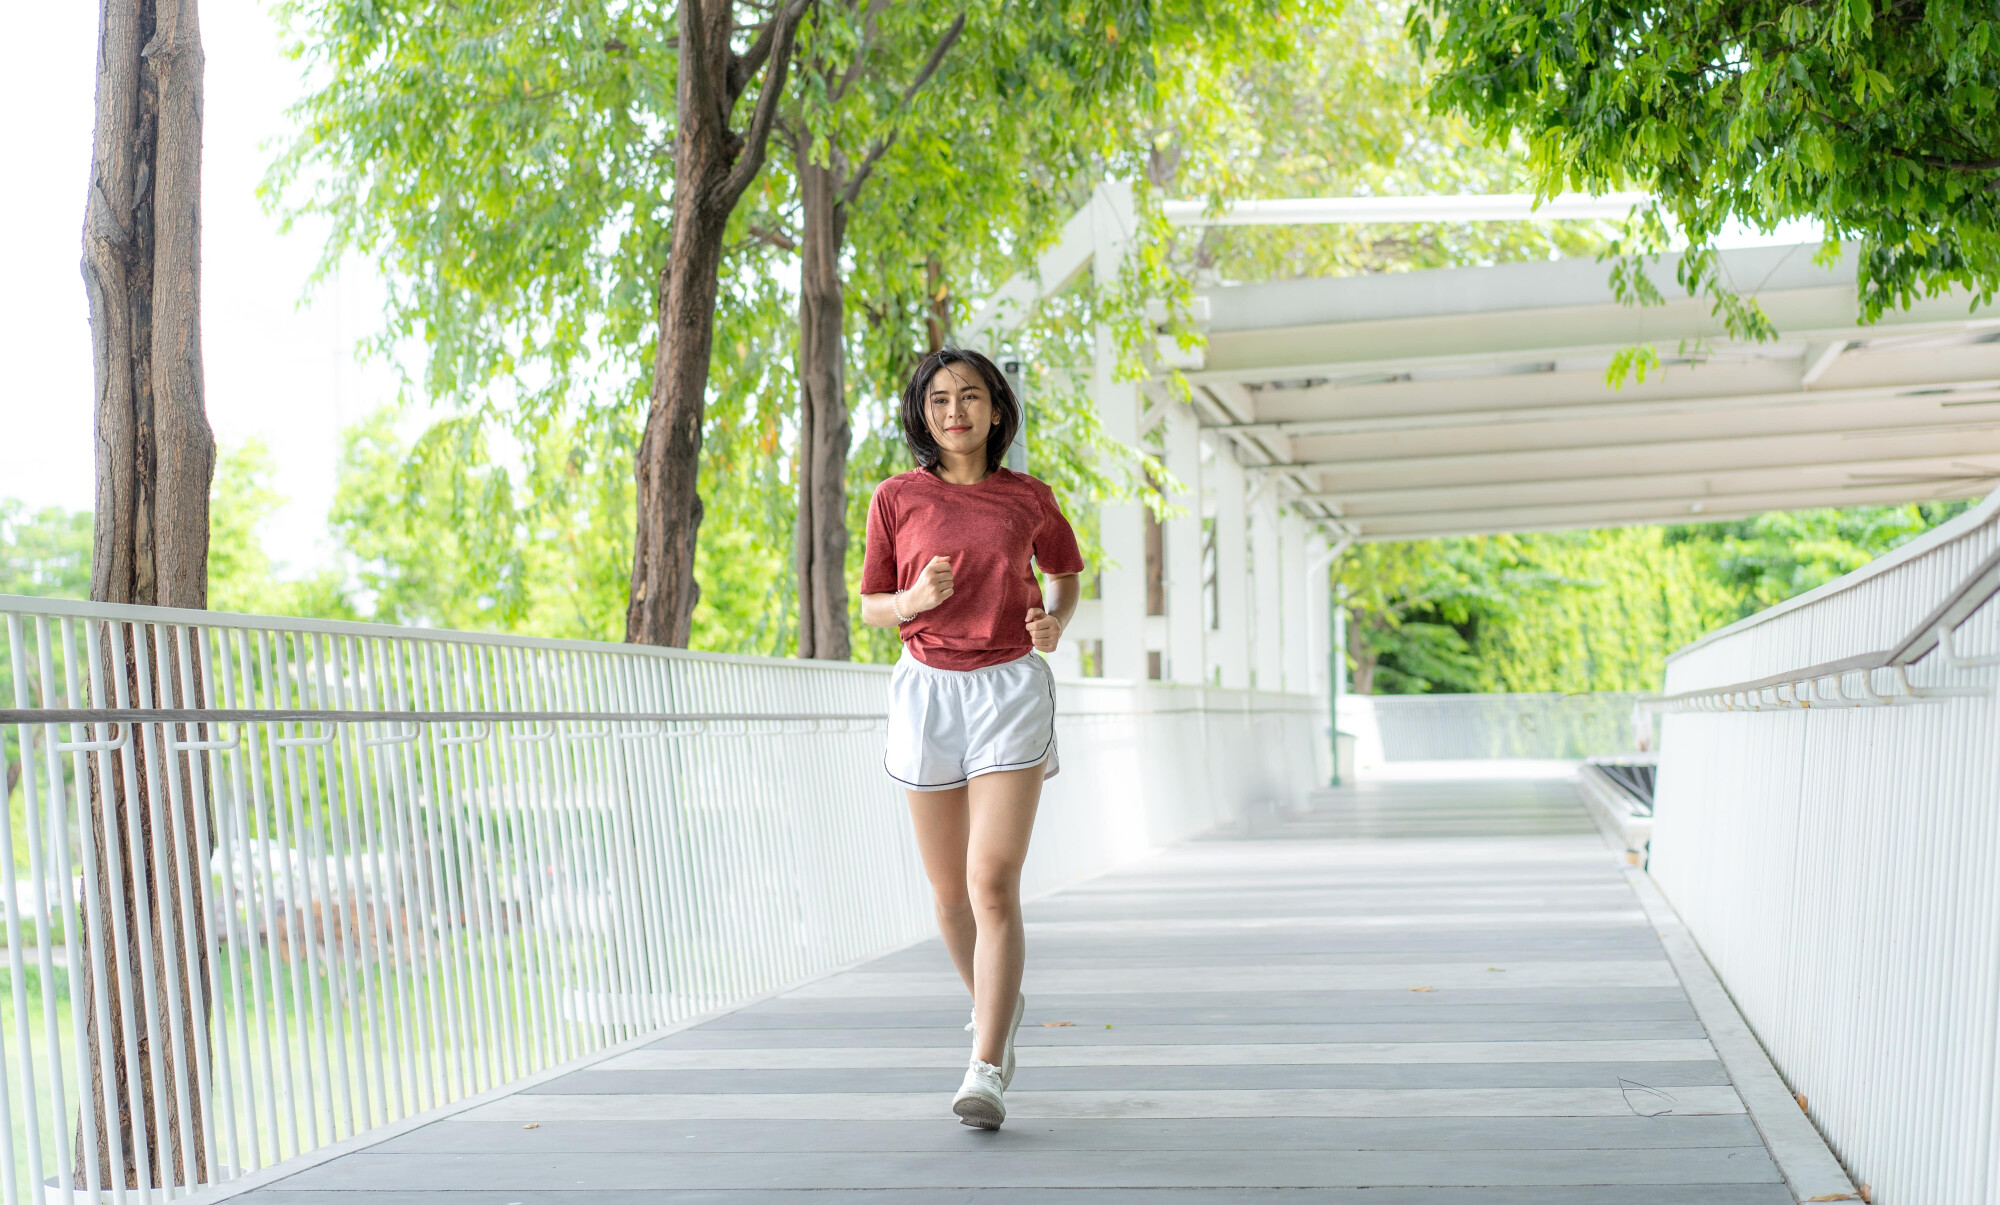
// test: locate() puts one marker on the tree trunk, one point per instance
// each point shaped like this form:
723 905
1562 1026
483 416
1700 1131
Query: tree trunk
155 458
713 164
825 190
939 319
142 273
937 322
824 430
1364 653
668 472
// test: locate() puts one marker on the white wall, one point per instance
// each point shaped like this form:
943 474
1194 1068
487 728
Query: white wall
1837 866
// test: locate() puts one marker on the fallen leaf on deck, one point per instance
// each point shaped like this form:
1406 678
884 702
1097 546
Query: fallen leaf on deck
1645 1101
533 1125
1057 1024
1423 989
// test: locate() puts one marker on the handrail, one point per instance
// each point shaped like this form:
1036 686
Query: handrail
227 715
1934 633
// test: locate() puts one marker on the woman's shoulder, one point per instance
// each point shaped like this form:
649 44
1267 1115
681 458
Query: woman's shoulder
1025 481
1043 493
889 487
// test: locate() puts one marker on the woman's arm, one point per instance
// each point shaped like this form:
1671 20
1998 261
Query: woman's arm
1060 591
933 587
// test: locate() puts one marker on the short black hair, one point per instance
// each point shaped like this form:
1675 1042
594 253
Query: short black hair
917 428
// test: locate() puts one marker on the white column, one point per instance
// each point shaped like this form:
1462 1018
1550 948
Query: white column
1339 649
1319 639
1267 580
1186 657
1298 665
1121 526
1230 641
1318 616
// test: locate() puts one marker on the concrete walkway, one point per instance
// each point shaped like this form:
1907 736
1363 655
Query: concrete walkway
1432 992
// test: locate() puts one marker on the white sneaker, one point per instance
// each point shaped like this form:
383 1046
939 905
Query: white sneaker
981 1099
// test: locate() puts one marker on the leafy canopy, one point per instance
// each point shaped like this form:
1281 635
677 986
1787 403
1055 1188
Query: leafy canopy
1878 120
1334 106
507 166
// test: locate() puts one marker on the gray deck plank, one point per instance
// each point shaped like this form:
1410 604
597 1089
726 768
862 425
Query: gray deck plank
1213 1133
1089 1030
1247 1011
999 1167
1596 1194
1343 1004
1232 952
1152 1079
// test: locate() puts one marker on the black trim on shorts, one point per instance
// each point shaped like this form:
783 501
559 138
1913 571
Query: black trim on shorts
996 769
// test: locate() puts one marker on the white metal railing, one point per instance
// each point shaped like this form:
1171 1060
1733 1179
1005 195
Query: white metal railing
427 863
1833 849
1446 727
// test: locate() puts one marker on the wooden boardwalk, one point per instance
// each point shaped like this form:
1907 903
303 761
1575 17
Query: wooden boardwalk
1424 992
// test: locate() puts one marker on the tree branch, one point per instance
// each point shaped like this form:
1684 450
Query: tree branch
775 238
1959 165
860 176
944 44
847 79
694 60
747 64
783 28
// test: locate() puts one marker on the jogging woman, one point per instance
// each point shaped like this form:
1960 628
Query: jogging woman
953 546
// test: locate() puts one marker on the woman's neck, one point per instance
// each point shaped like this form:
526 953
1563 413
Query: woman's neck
958 469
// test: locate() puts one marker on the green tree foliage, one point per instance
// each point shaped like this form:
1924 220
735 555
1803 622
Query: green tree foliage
1596 610
447 534
1589 610
1774 556
507 166
1875 119
45 553
242 577
1333 105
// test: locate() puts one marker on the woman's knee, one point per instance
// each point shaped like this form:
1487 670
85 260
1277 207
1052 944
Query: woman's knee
994 884
953 899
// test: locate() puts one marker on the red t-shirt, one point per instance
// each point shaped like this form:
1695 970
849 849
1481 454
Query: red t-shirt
990 530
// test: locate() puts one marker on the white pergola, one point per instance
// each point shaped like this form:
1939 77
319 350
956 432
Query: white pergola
1475 400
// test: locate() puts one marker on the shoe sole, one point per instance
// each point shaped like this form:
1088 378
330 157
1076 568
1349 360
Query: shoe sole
978 1112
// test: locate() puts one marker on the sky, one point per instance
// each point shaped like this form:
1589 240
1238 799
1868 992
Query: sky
276 369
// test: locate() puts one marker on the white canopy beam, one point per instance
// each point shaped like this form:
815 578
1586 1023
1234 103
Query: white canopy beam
1496 207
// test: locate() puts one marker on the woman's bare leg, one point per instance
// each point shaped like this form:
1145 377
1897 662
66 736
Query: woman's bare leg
1002 812
942 822
973 840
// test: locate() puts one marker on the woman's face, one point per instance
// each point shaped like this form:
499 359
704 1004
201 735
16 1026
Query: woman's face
958 410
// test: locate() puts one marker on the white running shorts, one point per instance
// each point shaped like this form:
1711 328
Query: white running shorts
948 726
